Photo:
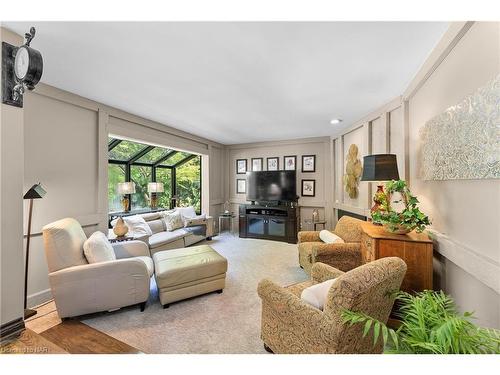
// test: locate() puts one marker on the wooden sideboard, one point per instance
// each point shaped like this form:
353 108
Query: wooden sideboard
414 248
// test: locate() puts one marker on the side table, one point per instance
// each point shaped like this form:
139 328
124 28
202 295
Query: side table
416 249
229 218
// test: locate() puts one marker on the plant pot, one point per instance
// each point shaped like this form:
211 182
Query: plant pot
397 229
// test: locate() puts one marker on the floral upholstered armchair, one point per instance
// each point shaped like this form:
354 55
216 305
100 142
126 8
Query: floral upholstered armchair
290 325
344 256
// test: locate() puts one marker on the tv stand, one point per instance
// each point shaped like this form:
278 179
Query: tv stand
267 221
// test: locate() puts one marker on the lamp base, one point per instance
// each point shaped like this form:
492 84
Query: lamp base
28 313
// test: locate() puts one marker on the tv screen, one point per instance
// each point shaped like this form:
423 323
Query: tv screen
270 186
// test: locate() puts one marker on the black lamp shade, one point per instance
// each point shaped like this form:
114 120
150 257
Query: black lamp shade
380 167
36 192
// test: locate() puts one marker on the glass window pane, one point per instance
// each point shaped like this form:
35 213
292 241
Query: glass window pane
154 155
116 174
110 139
177 157
164 175
141 176
125 150
188 181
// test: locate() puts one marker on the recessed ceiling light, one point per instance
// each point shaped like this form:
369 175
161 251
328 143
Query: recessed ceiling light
336 121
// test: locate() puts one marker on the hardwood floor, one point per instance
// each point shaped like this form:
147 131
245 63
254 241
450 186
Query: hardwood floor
78 338
46 333
31 343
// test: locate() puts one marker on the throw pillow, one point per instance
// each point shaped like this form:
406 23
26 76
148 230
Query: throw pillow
316 294
98 249
186 212
173 221
197 220
328 237
137 226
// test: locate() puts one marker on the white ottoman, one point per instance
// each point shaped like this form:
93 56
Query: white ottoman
188 272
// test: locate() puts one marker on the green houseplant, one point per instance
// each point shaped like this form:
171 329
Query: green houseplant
408 219
430 324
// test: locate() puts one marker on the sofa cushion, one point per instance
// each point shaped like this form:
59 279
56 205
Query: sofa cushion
98 249
63 242
156 226
316 294
186 212
328 237
149 264
161 238
179 266
173 221
196 220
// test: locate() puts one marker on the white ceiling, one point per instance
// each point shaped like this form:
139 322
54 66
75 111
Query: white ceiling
236 82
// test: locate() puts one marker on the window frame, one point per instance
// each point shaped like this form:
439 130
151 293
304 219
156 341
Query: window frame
133 161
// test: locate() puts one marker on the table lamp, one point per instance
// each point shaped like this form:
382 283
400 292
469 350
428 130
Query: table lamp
154 188
379 167
125 189
36 192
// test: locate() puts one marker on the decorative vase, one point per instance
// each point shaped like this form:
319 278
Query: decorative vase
120 228
397 229
315 216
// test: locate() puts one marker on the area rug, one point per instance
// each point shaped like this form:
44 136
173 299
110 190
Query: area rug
213 323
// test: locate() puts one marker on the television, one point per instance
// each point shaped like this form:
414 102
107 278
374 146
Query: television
270 186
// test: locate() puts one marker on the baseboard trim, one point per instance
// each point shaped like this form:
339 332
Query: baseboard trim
38 298
11 330
485 269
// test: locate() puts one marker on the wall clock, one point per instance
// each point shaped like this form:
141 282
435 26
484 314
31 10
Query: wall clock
22 68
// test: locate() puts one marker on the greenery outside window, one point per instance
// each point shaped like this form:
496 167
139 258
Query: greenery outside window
179 171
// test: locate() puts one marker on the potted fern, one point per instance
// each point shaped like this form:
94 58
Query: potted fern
430 324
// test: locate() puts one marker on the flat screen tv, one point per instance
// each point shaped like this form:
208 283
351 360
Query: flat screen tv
270 186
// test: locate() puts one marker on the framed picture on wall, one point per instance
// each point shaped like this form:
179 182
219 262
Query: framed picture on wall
308 163
241 186
308 188
273 164
257 164
290 162
241 166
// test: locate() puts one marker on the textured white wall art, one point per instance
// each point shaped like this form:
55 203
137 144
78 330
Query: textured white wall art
464 141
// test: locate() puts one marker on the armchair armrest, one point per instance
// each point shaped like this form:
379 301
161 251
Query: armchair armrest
321 272
283 301
344 256
308 236
99 286
129 249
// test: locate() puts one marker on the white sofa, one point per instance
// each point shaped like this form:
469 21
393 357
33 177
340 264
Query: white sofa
161 239
81 288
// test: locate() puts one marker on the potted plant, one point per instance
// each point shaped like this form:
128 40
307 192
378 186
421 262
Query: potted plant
410 218
430 324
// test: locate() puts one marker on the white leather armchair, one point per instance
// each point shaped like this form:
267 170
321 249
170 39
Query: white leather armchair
81 288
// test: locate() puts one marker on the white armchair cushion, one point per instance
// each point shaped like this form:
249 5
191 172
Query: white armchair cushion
316 294
98 249
328 237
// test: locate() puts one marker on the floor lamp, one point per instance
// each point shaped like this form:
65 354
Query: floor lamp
36 192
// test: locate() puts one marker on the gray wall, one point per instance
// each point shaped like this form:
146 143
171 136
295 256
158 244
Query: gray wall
464 213
319 146
11 205
66 139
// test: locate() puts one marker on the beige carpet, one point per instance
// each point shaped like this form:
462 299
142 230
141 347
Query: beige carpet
212 323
